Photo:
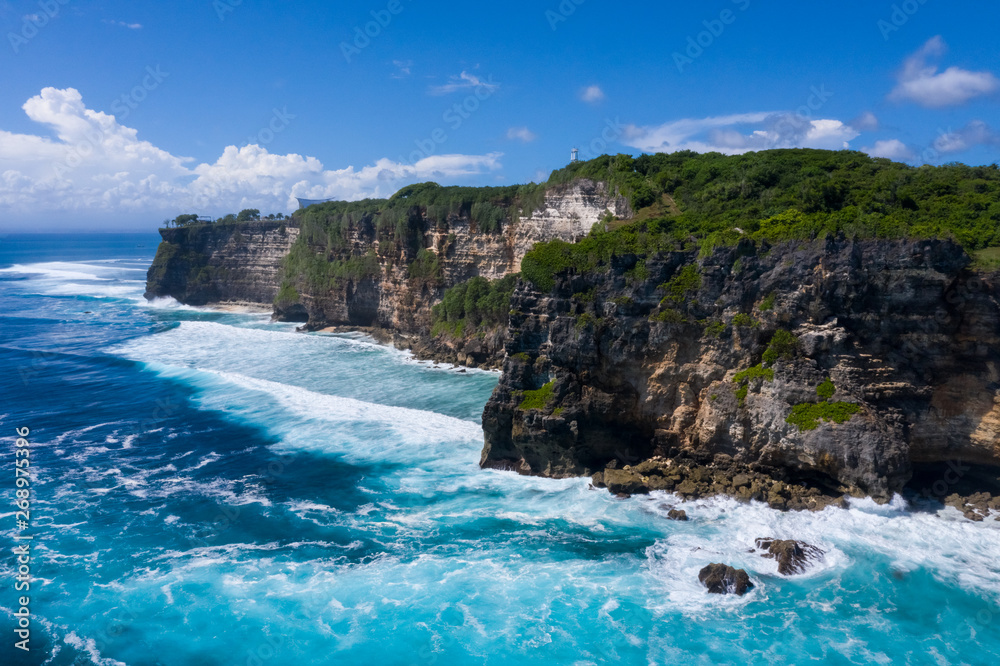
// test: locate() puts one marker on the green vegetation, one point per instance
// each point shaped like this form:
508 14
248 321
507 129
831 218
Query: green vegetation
808 415
669 316
523 357
827 389
287 294
751 374
768 302
743 320
986 260
426 267
587 319
638 273
248 215
776 196
715 329
747 377
687 280
331 232
538 399
847 190
783 345
489 217
474 304
320 273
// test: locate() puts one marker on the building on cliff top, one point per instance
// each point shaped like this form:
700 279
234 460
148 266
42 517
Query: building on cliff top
305 203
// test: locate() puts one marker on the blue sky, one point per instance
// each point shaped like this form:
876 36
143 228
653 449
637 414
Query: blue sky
117 114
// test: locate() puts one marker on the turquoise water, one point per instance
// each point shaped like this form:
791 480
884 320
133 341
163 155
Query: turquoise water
212 488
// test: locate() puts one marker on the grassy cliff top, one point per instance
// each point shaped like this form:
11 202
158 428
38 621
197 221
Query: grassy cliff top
686 200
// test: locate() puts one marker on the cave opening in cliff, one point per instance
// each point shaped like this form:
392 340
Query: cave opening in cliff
810 478
942 479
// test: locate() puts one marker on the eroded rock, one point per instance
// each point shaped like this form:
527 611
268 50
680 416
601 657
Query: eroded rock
793 557
724 579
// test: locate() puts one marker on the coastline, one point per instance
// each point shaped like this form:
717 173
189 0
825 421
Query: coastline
688 477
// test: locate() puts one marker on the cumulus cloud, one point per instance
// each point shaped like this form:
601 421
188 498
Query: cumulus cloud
95 166
892 149
521 134
741 133
465 81
921 82
592 94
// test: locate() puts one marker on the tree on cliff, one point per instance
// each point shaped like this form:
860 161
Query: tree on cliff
248 214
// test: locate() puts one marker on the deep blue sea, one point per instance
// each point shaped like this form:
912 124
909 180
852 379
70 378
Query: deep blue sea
213 488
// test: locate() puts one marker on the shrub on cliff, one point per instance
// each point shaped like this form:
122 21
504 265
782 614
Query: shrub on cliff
807 416
475 303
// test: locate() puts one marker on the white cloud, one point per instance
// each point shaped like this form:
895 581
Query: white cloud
974 134
892 149
403 68
465 81
130 26
592 94
920 81
866 122
96 168
741 133
521 134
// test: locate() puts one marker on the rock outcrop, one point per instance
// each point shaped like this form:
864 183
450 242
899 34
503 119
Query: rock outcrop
222 264
724 579
834 365
793 557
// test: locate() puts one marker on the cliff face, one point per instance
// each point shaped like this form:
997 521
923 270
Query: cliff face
245 264
609 368
221 264
400 303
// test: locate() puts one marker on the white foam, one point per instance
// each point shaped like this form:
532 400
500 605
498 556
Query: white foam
89 645
117 291
413 425
956 552
59 270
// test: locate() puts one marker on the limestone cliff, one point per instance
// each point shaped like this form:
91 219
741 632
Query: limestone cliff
384 281
238 264
849 363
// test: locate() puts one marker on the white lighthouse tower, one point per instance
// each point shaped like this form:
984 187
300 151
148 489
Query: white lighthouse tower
574 155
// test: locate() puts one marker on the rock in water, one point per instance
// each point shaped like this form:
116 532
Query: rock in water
724 579
793 556
677 514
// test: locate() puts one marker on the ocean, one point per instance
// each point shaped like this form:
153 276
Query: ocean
213 488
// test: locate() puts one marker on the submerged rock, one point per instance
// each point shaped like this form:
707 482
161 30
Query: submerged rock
793 557
724 579
677 514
